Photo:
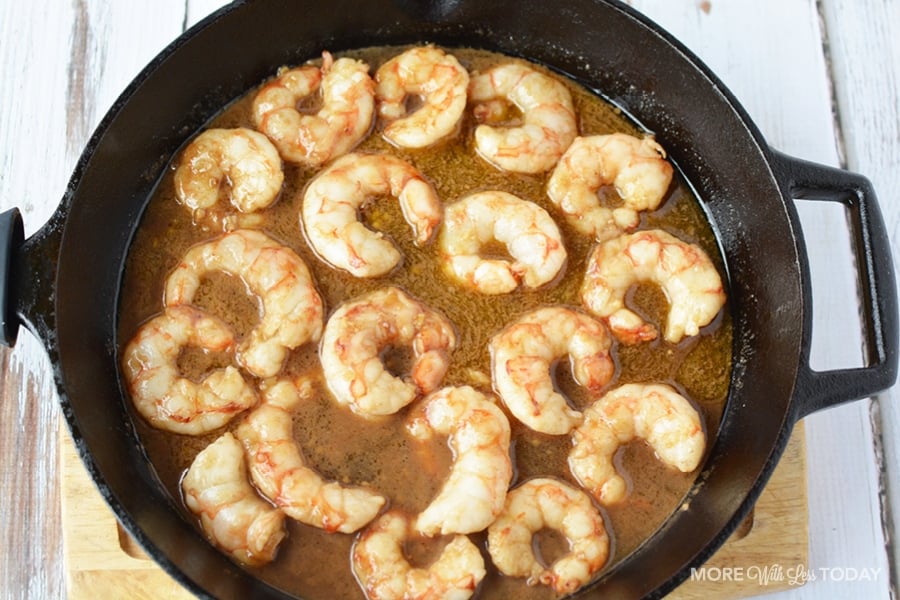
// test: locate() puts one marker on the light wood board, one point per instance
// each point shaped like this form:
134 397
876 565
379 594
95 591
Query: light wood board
821 78
102 561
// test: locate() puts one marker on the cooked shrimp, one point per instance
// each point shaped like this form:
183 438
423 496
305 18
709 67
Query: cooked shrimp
241 163
547 111
333 199
348 105
473 494
281 474
231 513
653 412
540 503
291 307
685 273
384 573
435 76
636 167
357 334
523 357
530 235
166 398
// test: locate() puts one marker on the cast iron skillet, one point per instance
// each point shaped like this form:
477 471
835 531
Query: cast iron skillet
63 283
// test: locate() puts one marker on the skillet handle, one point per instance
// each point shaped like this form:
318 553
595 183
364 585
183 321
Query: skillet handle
12 236
817 390
28 276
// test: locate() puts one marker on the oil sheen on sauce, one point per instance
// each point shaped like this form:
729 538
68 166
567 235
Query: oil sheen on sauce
380 454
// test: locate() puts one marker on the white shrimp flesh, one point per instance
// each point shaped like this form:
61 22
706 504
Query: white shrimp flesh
474 492
437 79
528 232
636 167
232 514
524 354
384 572
655 413
548 116
332 204
280 472
162 394
344 119
548 503
684 272
240 164
358 333
292 310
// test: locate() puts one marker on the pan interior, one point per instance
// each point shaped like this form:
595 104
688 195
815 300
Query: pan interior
615 53
345 447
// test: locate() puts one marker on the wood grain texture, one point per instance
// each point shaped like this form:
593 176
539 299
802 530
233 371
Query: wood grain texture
771 55
101 561
863 45
775 545
63 64
33 172
820 79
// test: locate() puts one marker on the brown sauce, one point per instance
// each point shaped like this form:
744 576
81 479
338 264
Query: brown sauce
348 449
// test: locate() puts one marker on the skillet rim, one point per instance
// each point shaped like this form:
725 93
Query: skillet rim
96 140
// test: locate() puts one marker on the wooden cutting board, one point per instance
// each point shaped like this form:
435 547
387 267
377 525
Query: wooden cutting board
102 561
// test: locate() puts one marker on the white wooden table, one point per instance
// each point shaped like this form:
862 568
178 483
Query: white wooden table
820 78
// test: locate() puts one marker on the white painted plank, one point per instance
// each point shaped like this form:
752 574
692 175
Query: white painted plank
33 119
62 65
767 53
770 55
33 173
199 9
864 39
121 39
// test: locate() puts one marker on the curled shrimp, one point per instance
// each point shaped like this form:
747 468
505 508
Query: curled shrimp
653 412
547 111
166 398
279 470
357 334
241 163
435 76
473 494
523 356
331 206
540 503
636 167
231 513
529 233
348 105
384 573
685 273
291 307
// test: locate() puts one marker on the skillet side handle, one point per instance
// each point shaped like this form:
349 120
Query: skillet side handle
12 236
28 277
817 390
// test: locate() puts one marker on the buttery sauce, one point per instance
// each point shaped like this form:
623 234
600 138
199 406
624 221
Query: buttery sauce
380 454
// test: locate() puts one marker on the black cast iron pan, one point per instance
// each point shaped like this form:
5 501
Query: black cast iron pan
63 282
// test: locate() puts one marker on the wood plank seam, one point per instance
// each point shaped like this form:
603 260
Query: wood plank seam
840 144
884 491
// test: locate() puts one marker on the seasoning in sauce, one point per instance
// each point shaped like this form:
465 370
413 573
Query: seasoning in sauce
380 453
